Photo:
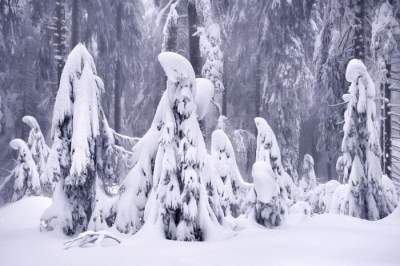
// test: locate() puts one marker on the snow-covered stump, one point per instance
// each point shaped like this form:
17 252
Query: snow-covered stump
365 197
25 174
234 191
268 209
40 153
308 179
179 204
268 151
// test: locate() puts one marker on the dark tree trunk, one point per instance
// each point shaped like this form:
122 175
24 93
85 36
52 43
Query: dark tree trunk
194 46
388 125
359 33
118 70
75 17
59 37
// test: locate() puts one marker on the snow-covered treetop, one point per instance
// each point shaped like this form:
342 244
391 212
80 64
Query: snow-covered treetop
219 144
77 60
20 146
204 95
266 135
181 76
31 122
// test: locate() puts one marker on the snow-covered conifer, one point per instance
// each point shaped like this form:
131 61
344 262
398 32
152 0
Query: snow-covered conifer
268 208
40 153
179 203
308 179
268 150
25 173
365 197
234 189
73 157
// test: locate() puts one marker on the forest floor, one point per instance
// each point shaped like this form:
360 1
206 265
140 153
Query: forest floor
319 240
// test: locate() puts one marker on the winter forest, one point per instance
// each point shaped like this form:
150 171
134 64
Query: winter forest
199 132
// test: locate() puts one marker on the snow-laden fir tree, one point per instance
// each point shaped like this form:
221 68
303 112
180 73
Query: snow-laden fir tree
179 204
268 149
74 157
365 196
25 174
308 179
234 190
267 206
40 153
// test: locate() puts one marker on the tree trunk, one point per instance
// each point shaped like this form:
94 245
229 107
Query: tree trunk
388 125
59 37
75 17
194 41
359 33
118 70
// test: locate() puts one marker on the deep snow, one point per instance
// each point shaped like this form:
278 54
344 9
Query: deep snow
320 240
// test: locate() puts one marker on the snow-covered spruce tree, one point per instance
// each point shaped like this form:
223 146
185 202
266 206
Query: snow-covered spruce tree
25 174
73 160
360 146
268 208
179 204
40 153
234 189
308 179
268 150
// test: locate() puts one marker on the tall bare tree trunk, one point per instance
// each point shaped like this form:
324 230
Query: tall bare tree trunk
118 70
194 41
75 17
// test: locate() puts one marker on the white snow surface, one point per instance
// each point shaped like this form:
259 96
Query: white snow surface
319 240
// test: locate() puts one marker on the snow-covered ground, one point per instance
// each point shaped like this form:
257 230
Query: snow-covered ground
320 240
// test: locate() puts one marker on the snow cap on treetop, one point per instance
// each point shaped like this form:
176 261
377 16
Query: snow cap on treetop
176 67
355 69
17 144
31 122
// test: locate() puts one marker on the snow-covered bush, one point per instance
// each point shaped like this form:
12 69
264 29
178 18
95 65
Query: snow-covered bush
268 150
268 208
182 180
40 153
308 180
25 174
320 197
365 197
78 158
234 189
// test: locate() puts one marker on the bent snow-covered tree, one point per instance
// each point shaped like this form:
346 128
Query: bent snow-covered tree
179 204
75 159
25 174
234 189
270 209
40 153
361 150
268 150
